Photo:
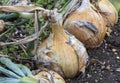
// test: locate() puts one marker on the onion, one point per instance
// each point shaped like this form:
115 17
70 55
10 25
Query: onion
49 76
108 11
86 24
61 51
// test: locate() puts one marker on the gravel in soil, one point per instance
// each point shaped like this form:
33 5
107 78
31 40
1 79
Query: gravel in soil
104 61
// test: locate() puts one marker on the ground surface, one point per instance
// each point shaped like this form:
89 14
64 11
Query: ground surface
108 60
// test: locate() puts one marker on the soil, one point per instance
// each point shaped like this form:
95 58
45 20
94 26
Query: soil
104 61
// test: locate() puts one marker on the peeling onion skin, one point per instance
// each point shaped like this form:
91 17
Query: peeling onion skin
49 76
89 14
62 52
108 11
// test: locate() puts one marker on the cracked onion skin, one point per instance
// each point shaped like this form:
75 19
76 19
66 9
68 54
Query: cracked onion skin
108 11
80 21
61 51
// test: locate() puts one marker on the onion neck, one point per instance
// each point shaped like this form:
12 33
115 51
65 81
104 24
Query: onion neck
84 4
56 25
58 31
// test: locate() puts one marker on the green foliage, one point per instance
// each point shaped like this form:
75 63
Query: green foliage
9 49
15 73
12 66
13 48
30 27
50 4
28 24
5 1
4 50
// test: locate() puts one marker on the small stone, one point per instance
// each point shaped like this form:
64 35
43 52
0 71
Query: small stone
103 67
86 82
109 30
88 75
96 81
95 72
101 78
108 67
114 50
118 57
106 44
115 53
118 69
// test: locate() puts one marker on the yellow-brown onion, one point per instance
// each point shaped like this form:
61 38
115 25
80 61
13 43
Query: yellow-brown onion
49 76
108 11
86 13
62 51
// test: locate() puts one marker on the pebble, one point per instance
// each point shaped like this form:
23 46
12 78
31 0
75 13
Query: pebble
102 67
96 81
118 57
88 75
114 50
101 78
86 82
115 53
108 67
118 69
95 72
106 45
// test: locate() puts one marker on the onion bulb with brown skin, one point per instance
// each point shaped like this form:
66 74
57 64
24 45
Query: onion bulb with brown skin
49 76
86 24
107 10
61 51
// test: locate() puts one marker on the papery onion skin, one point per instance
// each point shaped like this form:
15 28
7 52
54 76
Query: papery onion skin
46 76
86 13
62 52
108 11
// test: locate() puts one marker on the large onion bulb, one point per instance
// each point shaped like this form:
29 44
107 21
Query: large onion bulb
86 24
61 51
